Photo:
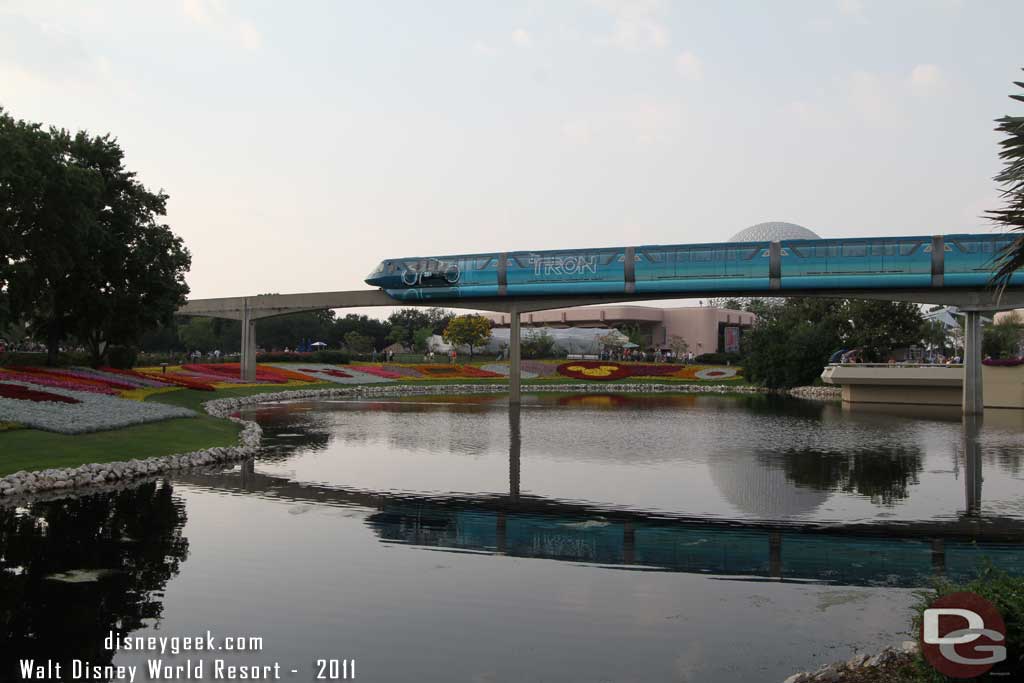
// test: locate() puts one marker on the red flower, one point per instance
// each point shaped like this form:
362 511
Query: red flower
18 392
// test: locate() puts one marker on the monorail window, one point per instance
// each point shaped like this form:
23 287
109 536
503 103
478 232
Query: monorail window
855 250
826 252
908 248
884 249
701 254
654 256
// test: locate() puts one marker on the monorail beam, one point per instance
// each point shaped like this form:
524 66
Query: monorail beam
270 305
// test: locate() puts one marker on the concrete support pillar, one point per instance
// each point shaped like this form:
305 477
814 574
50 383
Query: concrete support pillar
513 359
974 402
250 363
247 362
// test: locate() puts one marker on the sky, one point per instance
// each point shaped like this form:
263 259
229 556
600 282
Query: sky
301 143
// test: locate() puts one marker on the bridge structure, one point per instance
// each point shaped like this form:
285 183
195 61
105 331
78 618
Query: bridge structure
973 301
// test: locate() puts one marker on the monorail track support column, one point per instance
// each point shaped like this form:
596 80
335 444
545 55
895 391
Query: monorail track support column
974 402
513 358
247 361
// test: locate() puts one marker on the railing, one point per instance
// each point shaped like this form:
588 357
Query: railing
896 365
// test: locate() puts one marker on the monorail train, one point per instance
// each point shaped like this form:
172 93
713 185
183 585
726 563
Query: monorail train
844 263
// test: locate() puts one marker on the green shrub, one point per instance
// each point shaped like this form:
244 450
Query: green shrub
336 357
1004 591
122 357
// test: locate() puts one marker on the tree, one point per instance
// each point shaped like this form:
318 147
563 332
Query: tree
538 344
45 223
358 343
198 335
468 330
1011 178
880 327
934 336
404 323
791 341
678 345
421 339
1004 338
376 330
290 331
85 253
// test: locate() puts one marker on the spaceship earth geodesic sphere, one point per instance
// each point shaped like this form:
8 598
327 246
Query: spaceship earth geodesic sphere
774 231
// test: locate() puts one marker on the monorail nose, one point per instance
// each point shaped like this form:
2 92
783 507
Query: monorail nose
378 277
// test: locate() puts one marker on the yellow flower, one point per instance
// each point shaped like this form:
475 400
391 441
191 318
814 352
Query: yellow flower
600 371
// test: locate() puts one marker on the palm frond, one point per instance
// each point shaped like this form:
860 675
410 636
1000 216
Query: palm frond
1011 180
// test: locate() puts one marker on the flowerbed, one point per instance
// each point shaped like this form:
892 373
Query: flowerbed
1003 362
55 381
232 371
20 392
76 412
594 370
329 371
350 375
502 369
377 371
456 372
608 370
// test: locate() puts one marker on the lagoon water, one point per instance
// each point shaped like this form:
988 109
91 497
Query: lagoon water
579 538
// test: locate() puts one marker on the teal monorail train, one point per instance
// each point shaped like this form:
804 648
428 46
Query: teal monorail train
841 264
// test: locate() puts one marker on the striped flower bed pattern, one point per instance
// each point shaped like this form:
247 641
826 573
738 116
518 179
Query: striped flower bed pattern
78 412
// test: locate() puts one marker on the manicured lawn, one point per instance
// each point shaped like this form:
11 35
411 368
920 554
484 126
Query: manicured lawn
31 449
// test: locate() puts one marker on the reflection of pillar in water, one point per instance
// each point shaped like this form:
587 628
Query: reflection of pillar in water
248 470
628 543
501 532
938 556
972 464
515 442
775 554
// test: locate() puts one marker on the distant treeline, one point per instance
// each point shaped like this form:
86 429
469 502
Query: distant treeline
410 327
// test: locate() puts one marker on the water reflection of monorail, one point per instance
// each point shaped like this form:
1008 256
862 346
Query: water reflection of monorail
525 526
748 552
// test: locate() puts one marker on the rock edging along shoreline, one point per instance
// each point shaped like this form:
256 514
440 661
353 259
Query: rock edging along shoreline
857 667
23 482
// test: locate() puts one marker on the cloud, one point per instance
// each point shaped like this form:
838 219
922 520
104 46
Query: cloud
637 24
926 79
521 37
689 66
852 8
632 122
866 95
214 16
486 49
579 132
